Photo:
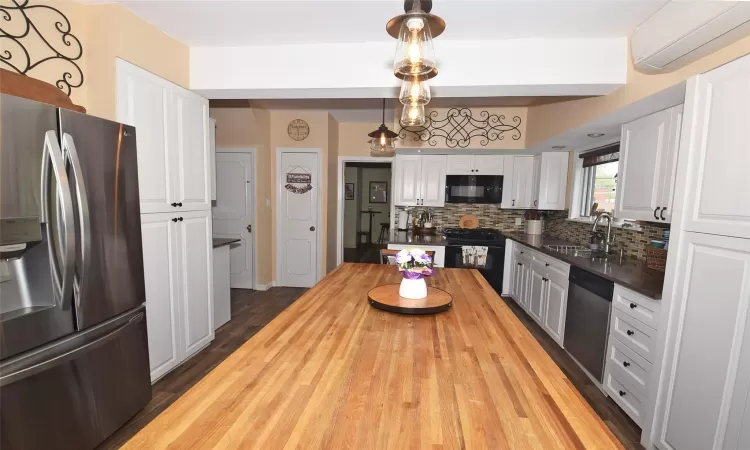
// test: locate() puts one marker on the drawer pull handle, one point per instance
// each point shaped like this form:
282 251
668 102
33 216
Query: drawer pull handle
630 332
626 364
633 305
622 393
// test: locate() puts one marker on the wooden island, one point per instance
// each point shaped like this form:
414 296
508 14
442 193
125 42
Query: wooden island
332 372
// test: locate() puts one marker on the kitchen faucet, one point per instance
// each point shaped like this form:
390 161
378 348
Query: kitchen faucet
607 242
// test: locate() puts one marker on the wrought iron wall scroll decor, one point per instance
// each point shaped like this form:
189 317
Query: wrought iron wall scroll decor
461 126
45 32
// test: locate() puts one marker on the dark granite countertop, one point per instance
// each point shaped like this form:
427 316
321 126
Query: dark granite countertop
220 242
630 273
408 238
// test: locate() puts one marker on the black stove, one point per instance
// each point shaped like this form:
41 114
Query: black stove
474 236
492 270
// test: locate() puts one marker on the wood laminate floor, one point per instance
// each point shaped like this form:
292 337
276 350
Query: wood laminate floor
251 311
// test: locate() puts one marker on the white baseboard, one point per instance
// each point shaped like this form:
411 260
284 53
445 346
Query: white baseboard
263 287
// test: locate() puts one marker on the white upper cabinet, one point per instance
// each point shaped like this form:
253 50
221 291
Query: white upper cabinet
407 168
522 191
507 202
648 152
475 164
172 132
717 142
432 186
193 148
460 164
420 180
144 101
212 152
553 180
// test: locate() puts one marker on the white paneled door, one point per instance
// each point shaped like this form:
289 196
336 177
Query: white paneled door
298 216
234 214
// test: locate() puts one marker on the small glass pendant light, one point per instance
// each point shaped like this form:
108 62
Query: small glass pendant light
382 140
413 115
415 91
415 54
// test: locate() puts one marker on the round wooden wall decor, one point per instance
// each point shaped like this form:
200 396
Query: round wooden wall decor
298 130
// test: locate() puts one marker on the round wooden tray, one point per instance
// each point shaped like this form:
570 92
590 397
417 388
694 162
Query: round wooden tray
386 297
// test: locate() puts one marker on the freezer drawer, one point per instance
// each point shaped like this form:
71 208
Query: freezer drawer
77 391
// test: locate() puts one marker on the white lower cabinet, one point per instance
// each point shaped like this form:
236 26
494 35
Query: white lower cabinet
179 286
631 351
539 284
706 374
556 305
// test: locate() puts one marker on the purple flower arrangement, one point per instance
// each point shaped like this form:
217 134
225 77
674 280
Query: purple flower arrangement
414 263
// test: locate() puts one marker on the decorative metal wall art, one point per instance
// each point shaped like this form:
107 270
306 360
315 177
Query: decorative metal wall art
461 126
36 35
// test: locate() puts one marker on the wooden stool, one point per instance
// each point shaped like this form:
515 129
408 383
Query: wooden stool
385 228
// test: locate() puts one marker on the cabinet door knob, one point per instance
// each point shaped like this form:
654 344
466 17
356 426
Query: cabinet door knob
522 253
633 305
312 228
174 220
656 211
622 393
546 264
662 213
174 204
519 263
630 332
180 204
626 364
180 219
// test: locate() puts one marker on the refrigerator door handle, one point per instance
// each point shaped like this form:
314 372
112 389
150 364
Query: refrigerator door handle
63 276
38 363
71 154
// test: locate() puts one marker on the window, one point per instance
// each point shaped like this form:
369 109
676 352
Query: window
598 181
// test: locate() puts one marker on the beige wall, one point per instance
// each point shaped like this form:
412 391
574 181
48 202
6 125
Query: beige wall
547 121
107 32
353 139
250 128
116 32
332 186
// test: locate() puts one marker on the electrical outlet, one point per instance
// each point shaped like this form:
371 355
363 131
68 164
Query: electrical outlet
518 221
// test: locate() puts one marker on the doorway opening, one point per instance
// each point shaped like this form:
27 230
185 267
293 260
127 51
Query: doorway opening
367 194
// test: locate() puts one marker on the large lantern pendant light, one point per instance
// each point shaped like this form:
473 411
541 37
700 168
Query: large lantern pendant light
381 143
414 30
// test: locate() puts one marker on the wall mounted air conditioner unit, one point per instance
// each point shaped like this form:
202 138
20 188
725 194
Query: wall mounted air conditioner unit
684 31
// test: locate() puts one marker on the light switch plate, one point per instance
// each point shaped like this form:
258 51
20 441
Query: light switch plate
518 221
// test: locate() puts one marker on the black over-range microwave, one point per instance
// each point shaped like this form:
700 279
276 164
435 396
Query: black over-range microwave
474 189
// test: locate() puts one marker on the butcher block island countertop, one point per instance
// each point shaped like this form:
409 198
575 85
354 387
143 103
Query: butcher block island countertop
332 372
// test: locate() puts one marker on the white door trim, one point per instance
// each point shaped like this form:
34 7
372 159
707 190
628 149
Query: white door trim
251 151
340 197
318 231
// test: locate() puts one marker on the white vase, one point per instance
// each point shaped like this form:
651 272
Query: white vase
533 227
413 289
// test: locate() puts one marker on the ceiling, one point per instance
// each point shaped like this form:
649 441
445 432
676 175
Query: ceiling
274 22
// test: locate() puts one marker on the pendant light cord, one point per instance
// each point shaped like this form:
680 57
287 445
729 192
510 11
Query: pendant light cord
384 111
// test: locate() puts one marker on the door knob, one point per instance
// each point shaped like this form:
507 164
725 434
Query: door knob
312 228
249 228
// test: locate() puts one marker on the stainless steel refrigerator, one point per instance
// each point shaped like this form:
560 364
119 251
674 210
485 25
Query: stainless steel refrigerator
73 349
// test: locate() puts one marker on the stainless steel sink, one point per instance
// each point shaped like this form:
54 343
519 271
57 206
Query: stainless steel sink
580 251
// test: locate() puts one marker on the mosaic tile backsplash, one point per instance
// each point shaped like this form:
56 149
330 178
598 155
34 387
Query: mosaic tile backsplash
555 225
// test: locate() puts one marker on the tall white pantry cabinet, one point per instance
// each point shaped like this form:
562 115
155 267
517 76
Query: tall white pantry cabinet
174 160
702 401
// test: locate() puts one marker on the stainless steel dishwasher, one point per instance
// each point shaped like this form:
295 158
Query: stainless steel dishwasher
587 320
